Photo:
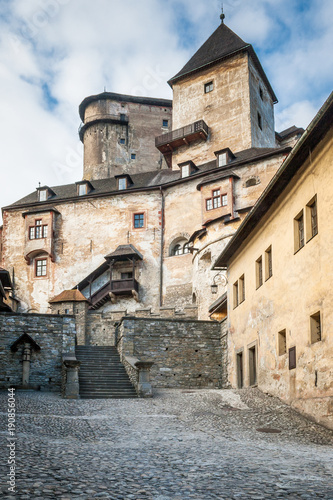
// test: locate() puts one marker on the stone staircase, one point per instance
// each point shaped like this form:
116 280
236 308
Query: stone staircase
102 375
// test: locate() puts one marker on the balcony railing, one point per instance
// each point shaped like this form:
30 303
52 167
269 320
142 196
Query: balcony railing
181 136
117 287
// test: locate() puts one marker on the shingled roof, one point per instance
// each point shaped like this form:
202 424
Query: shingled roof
68 296
221 44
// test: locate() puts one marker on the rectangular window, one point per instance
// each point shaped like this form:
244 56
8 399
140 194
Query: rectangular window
31 233
292 358
139 220
209 87
299 231
122 140
261 94
209 204
282 342
165 123
126 276
43 195
122 117
185 170
45 231
82 189
133 156
311 219
122 183
38 231
216 199
268 263
242 289
315 328
224 200
239 362
259 272
253 365
41 267
236 298
222 159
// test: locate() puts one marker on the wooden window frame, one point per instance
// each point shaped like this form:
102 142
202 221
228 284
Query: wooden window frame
42 259
259 273
299 236
236 294
241 289
268 263
221 197
143 214
126 183
209 87
311 221
46 191
43 230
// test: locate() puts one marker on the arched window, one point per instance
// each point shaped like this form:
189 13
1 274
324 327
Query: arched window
177 250
251 182
186 248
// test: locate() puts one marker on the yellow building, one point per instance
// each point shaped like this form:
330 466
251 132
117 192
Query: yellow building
280 307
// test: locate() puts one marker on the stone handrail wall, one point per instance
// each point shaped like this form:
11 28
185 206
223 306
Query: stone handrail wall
131 369
224 353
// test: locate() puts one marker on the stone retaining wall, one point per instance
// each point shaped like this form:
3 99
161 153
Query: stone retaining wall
186 353
55 334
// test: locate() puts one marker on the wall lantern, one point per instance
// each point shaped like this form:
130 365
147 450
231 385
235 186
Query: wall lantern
222 279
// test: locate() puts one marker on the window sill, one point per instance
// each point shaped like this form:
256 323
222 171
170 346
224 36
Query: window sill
307 241
296 251
269 277
259 286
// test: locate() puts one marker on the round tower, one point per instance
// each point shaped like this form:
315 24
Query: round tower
118 133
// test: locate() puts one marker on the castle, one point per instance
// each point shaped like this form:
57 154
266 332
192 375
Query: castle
144 237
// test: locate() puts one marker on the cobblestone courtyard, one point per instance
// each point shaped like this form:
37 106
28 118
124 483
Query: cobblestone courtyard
179 445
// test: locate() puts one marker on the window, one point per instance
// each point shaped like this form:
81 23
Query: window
292 358
122 140
209 87
180 247
82 189
38 231
239 363
282 342
122 183
259 121
139 220
299 231
122 117
315 328
165 123
241 289
217 200
186 248
253 365
66 311
185 170
236 294
133 156
259 272
222 159
261 93
177 250
268 263
251 182
43 195
41 267
311 219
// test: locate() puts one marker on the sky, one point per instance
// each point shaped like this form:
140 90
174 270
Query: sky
54 53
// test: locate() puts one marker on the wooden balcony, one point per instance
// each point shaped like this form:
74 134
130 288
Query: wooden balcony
114 288
166 143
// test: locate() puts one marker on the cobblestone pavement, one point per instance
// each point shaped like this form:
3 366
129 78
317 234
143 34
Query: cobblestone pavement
182 444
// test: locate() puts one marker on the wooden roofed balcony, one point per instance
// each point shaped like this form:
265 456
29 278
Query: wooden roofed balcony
114 287
185 135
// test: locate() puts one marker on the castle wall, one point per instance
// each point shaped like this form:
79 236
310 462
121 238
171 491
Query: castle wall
54 335
186 353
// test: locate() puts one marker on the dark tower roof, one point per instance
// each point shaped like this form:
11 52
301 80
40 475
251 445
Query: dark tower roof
223 43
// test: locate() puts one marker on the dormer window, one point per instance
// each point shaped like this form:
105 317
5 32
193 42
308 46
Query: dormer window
122 183
209 87
44 193
83 187
187 168
224 156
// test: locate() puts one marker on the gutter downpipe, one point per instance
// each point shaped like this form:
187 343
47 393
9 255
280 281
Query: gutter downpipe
162 245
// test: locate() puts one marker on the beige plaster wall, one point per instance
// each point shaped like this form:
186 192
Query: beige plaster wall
300 286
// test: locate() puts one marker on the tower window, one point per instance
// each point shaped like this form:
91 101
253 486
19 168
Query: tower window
133 156
165 123
41 267
122 117
209 87
261 94
259 121
122 140
139 220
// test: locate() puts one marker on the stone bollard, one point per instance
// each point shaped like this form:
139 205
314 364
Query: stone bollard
72 366
145 389
26 358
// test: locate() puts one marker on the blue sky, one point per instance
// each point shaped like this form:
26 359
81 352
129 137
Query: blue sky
53 53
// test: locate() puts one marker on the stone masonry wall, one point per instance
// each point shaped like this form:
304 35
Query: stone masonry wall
55 334
224 353
186 353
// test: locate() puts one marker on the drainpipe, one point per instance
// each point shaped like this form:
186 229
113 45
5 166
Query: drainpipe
162 245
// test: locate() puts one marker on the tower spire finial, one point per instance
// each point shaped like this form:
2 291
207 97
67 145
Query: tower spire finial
222 16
